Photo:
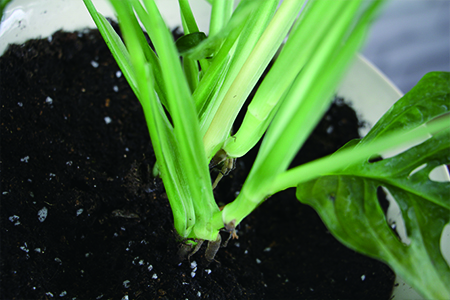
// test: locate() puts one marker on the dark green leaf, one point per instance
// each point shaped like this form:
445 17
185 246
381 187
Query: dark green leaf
189 41
428 99
213 43
347 200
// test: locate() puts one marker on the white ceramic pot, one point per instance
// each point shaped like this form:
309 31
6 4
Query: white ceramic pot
370 92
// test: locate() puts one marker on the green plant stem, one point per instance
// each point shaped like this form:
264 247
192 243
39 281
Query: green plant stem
187 17
326 166
238 37
311 92
183 212
214 75
186 128
220 14
341 160
191 72
301 44
190 26
254 16
254 66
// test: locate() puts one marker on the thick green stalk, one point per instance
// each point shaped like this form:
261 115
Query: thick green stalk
190 26
328 165
148 52
301 44
345 158
254 27
159 127
191 72
224 49
206 93
181 107
248 75
220 14
190 67
311 92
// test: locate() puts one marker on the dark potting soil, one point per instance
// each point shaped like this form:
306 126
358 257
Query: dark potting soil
82 218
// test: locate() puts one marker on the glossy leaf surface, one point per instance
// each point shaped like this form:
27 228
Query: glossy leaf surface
347 200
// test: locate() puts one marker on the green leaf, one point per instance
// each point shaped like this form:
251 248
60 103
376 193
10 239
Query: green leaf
349 208
189 41
347 203
213 43
428 99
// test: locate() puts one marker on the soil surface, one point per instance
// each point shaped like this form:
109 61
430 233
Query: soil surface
82 218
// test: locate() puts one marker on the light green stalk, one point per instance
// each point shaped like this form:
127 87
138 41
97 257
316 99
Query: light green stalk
311 92
220 14
302 43
345 158
247 77
192 159
258 16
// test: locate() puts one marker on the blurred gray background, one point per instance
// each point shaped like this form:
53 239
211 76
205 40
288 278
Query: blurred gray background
409 39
